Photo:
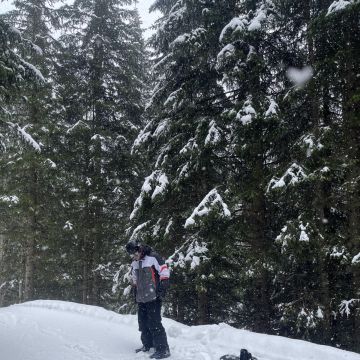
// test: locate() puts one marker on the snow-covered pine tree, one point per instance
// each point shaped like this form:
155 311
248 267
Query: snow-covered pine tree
299 215
250 64
27 162
336 37
101 82
312 265
15 71
288 142
181 209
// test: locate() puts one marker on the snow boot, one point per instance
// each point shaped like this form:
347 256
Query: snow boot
162 354
144 349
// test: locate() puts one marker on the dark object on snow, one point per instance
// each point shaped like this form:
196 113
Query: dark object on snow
244 355
144 349
160 354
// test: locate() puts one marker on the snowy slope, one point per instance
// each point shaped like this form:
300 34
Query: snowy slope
55 330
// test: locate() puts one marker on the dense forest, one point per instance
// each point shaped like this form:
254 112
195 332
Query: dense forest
229 141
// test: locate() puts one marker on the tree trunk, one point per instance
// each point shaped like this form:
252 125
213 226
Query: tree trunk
351 118
260 246
30 245
29 268
203 307
2 270
86 269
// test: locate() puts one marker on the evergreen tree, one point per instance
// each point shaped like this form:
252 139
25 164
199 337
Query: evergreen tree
273 96
101 79
249 62
30 170
339 86
249 148
181 210
307 185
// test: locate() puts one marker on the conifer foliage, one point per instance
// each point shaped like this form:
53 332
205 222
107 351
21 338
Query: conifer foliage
105 52
181 202
75 183
248 146
230 144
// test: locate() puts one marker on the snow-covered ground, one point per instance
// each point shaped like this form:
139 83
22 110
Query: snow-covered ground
55 330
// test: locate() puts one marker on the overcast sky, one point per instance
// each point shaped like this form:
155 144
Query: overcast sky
143 6
147 19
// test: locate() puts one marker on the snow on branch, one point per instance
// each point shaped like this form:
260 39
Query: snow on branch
9 199
137 205
194 254
50 163
312 144
236 24
338 252
161 128
137 230
189 147
249 22
294 174
303 234
26 136
260 16
294 232
340 5
225 55
310 317
211 201
143 136
188 37
176 15
37 73
68 226
356 259
156 183
213 137
162 182
78 125
172 99
346 306
247 113
272 109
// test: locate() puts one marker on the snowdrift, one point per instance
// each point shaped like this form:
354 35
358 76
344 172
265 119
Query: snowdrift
56 330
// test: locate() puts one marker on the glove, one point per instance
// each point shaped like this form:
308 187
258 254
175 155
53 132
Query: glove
162 288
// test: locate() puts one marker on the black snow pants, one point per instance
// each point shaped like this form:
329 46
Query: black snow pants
152 331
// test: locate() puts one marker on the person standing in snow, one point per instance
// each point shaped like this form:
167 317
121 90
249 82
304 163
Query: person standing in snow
150 276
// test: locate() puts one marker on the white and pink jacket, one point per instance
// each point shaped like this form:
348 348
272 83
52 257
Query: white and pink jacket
146 275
